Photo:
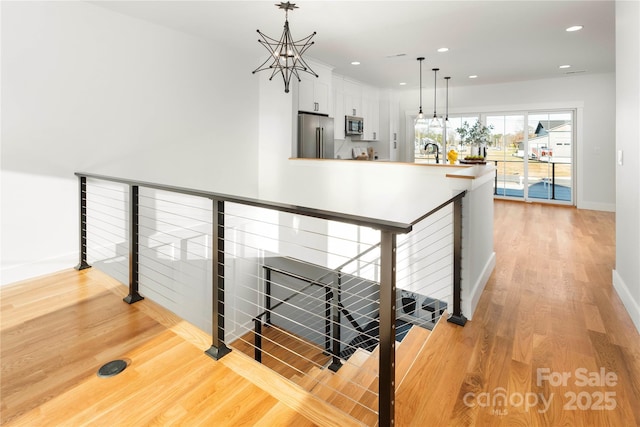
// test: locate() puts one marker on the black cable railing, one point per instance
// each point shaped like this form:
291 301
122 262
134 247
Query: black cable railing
332 316
217 206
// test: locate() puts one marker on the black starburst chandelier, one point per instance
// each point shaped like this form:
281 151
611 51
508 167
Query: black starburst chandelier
285 54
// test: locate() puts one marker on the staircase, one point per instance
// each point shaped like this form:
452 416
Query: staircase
354 388
283 352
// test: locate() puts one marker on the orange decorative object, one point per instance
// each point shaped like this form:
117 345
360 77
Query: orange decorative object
452 156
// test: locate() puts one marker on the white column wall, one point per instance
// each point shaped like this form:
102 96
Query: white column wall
626 276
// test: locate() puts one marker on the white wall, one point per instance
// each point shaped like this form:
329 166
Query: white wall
626 276
87 89
592 95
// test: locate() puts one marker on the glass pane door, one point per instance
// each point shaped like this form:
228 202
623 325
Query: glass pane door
550 156
506 150
536 164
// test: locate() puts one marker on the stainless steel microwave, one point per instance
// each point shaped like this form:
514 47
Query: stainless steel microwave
353 125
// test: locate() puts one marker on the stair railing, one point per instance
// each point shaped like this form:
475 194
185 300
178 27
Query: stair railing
333 310
389 230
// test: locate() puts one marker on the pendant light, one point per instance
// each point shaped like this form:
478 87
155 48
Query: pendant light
435 122
420 123
285 54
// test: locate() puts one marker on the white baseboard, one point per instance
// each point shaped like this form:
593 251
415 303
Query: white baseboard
594 206
632 306
470 299
39 268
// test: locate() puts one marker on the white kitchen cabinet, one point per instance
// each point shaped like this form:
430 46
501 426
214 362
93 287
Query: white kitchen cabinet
394 121
371 113
352 98
338 107
314 92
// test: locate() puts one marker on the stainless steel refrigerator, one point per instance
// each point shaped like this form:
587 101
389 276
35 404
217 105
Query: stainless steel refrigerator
315 136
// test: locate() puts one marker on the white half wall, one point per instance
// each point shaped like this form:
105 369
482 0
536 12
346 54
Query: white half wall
593 96
626 276
87 89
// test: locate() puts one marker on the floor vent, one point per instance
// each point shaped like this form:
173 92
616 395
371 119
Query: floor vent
112 368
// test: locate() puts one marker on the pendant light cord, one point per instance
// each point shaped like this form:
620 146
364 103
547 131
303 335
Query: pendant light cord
420 60
435 82
447 105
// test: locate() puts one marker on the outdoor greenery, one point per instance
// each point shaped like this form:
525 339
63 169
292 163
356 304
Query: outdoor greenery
476 134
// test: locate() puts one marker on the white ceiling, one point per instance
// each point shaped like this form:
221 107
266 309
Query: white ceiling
500 41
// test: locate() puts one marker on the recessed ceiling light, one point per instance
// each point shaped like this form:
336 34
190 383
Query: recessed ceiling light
473 76
355 63
403 83
574 28
443 49
565 66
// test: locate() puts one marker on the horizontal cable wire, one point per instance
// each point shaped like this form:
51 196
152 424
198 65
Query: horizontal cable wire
432 263
169 262
160 244
143 208
106 230
206 209
280 241
288 287
366 389
286 227
106 210
283 226
304 326
166 271
414 243
295 337
329 273
316 365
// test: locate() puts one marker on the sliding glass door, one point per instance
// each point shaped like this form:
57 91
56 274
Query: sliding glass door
551 156
534 162
505 150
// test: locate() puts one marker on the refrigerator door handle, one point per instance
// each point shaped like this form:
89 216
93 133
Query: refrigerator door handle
322 143
318 144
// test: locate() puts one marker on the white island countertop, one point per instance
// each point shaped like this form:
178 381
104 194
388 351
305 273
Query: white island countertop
389 191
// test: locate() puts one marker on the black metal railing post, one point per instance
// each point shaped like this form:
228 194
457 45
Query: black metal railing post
267 297
327 318
387 368
337 324
257 355
553 181
82 263
134 247
218 348
457 317
495 185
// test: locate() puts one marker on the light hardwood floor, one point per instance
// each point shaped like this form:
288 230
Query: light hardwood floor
548 305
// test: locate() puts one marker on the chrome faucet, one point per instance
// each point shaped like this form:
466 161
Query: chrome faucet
437 150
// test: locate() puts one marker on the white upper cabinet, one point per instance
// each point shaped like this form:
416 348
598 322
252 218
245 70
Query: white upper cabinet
338 107
371 113
394 125
314 92
352 98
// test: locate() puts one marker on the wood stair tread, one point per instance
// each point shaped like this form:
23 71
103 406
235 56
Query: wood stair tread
411 346
285 353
